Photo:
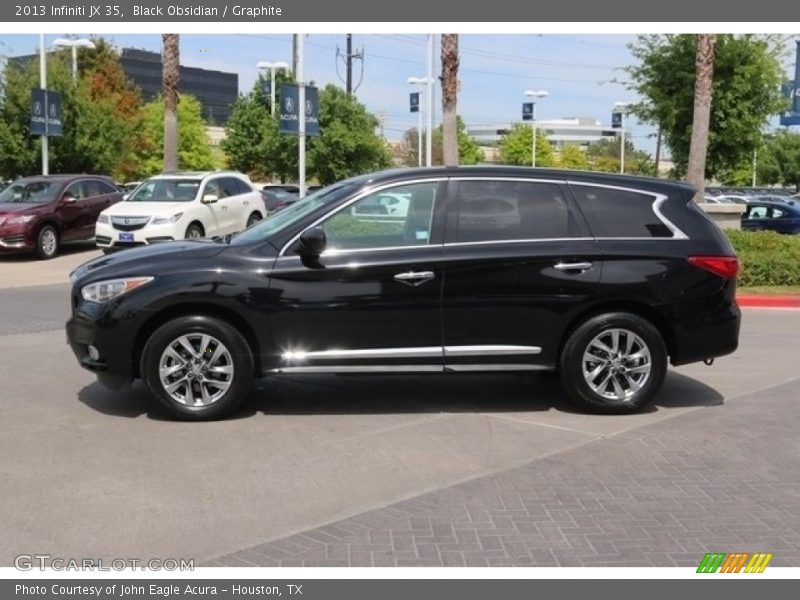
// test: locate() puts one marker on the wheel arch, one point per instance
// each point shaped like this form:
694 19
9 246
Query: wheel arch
640 309
205 309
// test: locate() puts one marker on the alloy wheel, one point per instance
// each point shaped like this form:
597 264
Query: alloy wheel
616 364
196 369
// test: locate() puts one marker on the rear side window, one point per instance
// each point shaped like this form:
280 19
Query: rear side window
496 210
614 213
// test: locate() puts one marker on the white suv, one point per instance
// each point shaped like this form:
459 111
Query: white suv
181 205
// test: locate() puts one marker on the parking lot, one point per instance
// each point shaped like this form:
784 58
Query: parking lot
416 470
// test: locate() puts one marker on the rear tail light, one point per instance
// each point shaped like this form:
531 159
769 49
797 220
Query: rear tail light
724 266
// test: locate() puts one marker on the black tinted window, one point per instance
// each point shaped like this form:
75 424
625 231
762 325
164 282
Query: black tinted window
229 187
242 187
511 210
618 213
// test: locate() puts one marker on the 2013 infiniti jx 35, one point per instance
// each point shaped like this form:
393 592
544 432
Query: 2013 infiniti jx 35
603 278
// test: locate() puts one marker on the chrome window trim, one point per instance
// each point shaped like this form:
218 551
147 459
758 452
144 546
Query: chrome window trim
502 178
659 199
363 194
497 367
521 241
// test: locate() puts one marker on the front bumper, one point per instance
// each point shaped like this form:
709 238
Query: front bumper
15 238
108 236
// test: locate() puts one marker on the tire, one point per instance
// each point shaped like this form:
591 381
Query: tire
199 394
253 219
613 384
47 242
194 232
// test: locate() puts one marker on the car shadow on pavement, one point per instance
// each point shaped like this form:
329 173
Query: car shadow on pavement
67 249
371 394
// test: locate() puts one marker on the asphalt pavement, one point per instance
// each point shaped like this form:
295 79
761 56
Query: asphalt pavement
434 470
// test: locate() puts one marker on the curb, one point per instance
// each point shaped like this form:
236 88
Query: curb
764 301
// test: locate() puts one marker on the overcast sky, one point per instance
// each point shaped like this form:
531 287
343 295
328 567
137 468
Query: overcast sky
578 71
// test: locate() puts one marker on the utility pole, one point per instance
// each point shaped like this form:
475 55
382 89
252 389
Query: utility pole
301 115
43 85
349 85
429 132
294 54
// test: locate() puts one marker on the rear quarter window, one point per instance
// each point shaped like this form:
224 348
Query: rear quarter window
614 213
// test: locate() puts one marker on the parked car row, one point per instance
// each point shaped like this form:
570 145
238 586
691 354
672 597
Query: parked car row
40 213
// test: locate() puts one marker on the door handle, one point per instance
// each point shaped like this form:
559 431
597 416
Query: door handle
576 266
414 278
223 208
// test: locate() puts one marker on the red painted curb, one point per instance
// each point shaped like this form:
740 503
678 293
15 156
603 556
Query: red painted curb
761 301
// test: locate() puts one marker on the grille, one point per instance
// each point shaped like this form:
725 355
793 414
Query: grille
129 223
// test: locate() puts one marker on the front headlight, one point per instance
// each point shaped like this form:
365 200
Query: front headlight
166 220
103 291
103 219
20 220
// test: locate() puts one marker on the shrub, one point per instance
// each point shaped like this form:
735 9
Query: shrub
767 258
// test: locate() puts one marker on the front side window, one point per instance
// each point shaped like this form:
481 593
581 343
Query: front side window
400 216
498 210
229 187
615 213
757 212
76 190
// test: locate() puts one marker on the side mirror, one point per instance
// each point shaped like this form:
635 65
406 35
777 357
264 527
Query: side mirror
67 199
311 242
210 198
125 196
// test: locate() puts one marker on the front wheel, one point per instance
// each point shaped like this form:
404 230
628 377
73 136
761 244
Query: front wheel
613 363
254 218
197 367
194 232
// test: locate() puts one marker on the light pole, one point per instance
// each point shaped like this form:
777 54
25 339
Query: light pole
534 95
621 107
74 44
43 85
421 82
430 82
272 67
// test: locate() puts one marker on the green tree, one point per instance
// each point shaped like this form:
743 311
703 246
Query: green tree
779 160
469 153
516 146
573 157
347 144
604 156
194 152
745 92
100 115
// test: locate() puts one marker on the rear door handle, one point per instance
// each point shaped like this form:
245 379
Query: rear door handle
576 266
414 278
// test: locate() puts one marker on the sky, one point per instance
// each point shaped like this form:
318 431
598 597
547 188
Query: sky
583 74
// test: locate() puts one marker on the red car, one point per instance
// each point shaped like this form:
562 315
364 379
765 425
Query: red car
40 213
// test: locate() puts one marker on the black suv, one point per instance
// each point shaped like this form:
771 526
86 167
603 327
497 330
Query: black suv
603 278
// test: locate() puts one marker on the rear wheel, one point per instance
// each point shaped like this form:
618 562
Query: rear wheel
613 363
47 242
197 367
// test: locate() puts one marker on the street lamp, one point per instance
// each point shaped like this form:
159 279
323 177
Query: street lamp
74 44
421 82
621 107
272 68
534 95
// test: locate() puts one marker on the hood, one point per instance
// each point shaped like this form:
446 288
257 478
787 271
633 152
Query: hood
8 208
146 260
145 209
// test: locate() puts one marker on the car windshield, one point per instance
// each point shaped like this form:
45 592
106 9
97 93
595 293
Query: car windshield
35 192
166 190
294 213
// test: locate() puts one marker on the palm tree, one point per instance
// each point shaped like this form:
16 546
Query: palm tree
170 75
704 80
449 98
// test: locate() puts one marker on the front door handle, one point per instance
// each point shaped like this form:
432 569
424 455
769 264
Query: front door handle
576 266
414 278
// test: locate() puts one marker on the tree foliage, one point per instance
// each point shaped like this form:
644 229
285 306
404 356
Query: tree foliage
779 160
605 156
469 153
347 144
194 152
746 91
516 146
100 116
573 157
